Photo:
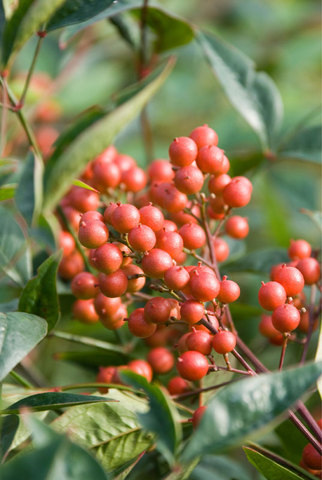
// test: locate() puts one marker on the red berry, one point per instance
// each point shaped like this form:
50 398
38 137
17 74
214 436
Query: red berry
160 359
84 286
66 242
221 249
71 265
182 345
106 174
91 216
73 216
183 151
286 318
170 198
84 311
311 457
200 341
138 325
107 258
267 328
224 341
127 260
193 236
229 291
238 192
192 365
160 171
177 385
291 279
125 217
170 242
92 234
142 238
197 416
192 311
310 269
204 286
134 284
124 162
204 135
108 212
217 183
141 367
169 226
152 217
299 249
114 284
237 227
211 159
271 295
176 277
106 307
83 200
134 179
189 179
116 320
105 375
156 262
157 310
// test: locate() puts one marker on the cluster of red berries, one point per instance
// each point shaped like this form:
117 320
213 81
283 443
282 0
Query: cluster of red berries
149 238
284 294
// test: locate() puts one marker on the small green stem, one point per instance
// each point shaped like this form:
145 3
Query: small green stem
91 342
31 69
21 380
284 345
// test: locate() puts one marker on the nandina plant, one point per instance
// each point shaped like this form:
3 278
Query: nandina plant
144 331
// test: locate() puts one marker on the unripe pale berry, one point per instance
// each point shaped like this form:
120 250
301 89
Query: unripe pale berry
271 295
224 341
192 365
113 284
161 360
286 318
84 286
193 236
183 151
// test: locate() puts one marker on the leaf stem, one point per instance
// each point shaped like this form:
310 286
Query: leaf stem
31 69
20 379
200 390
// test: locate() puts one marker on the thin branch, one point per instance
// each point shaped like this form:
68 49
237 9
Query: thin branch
31 69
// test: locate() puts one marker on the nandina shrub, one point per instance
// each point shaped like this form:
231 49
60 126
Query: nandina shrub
154 312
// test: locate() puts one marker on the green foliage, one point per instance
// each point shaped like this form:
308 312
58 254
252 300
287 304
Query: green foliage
29 193
252 93
19 334
40 294
161 419
259 261
274 470
304 145
243 408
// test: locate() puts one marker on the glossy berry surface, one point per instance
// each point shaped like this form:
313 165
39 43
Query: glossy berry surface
271 295
224 342
192 365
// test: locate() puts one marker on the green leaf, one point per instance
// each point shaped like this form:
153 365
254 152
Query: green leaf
19 334
274 467
161 419
52 401
243 408
80 183
27 19
315 216
15 258
93 358
54 456
253 94
111 430
304 145
77 11
40 294
171 31
92 141
8 429
29 191
219 467
259 261
7 191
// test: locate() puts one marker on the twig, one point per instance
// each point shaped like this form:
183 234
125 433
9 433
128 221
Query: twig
41 36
